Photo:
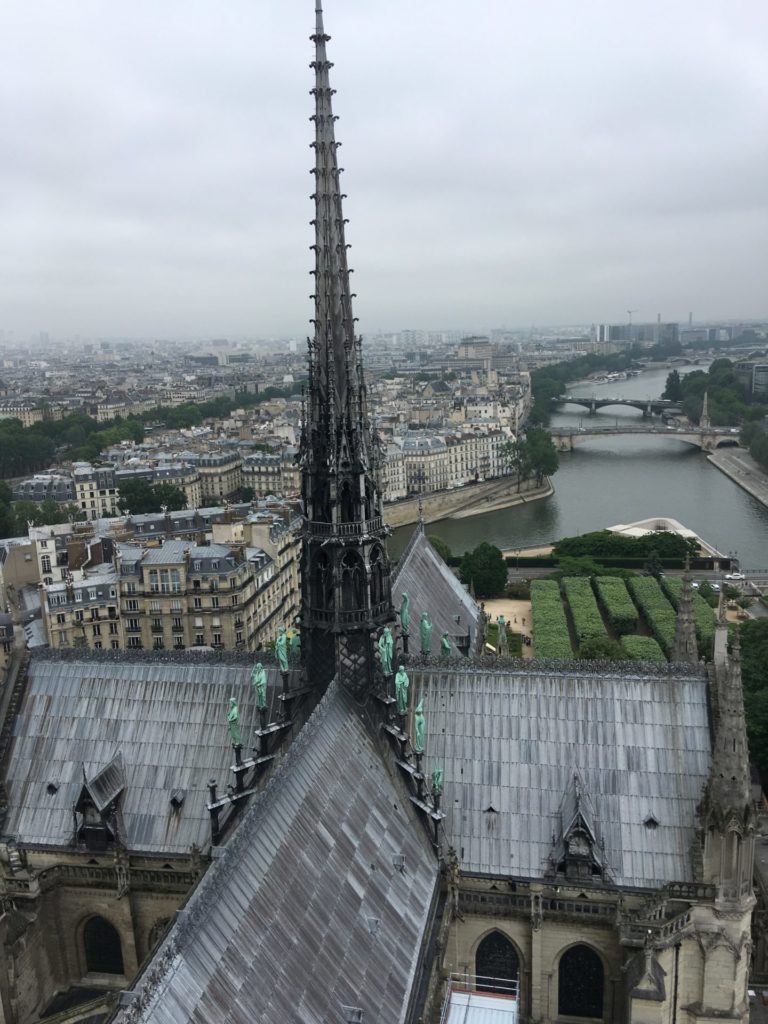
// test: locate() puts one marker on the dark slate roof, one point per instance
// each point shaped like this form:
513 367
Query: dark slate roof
433 587
512 740
166 718
305 912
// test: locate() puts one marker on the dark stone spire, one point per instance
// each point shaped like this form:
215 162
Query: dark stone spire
345 570
727 812
685 647
730 789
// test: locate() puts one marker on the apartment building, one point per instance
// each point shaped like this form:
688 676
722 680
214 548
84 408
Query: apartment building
220 475
84 612
190 595
266 474
96 490
26 413
420 461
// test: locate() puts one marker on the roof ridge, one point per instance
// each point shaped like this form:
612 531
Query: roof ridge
214 881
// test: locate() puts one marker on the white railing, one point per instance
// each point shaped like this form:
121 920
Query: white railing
495 998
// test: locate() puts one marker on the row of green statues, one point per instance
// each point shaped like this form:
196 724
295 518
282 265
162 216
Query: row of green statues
402 684
287 648
259 683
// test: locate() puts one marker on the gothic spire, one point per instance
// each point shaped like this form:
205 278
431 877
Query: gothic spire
685 648
334 352
730 783
346 591
704 421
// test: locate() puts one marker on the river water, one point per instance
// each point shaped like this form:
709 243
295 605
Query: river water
619 480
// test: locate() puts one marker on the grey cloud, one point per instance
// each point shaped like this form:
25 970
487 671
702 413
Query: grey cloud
506 163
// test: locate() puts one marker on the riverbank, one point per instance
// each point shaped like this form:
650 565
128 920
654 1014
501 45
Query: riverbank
738 465
509 500
472 500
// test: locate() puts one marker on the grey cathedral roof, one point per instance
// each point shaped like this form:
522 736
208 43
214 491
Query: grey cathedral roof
166 718
433 587
308 910
511 741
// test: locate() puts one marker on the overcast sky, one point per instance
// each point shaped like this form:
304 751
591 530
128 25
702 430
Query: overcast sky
507 162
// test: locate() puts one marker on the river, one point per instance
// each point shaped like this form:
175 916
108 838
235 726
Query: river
619 480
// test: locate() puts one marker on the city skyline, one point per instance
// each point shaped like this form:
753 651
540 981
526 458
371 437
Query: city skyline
539 166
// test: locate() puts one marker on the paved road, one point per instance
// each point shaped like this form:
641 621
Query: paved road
739 465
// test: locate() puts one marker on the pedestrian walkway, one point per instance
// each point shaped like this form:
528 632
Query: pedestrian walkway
739 465
517 614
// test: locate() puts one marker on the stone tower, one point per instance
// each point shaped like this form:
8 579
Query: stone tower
685 647
346 593
727 834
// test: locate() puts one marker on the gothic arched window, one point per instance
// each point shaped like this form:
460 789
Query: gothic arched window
496 964
103 952
321 582
352 582
580 983
377 576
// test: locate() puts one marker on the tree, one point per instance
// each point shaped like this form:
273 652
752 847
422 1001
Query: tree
754 657
171 496
653 564
535 454
247 493
602 648
440 547
542 454
141 497
486 569
674 389
517 457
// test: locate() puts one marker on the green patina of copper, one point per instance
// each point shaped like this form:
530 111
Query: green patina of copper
401 690
233 722
259 683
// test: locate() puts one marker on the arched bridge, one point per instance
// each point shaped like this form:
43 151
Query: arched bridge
566 438
647 406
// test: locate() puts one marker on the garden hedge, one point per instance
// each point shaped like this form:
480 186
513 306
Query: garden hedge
550 627
657 611
587 620
613 597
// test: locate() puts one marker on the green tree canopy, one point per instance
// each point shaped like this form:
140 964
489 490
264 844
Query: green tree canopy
486 569
140 497
754 658
673 390
440 547
602 648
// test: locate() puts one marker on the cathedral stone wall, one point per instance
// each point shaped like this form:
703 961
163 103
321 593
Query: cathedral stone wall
539 951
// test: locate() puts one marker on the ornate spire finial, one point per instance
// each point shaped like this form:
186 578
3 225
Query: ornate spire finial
704 421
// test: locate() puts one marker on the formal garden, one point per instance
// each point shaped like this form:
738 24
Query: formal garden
611 618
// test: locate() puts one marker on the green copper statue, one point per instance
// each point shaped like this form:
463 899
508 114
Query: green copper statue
445 645
404 616
386 650
418 729
426 633
295 646
259 683
281 649
437 780
233 721
401 690
502 646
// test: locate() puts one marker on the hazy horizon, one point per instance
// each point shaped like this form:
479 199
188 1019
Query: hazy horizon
505 164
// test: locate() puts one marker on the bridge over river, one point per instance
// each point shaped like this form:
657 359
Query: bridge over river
648 406
566 438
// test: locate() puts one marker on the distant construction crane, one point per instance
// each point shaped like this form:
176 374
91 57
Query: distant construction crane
629 314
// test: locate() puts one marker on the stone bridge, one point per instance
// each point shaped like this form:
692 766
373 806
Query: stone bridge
566 438
648 406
